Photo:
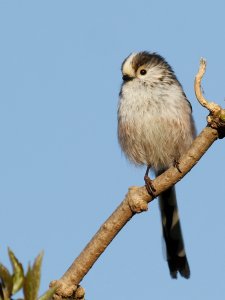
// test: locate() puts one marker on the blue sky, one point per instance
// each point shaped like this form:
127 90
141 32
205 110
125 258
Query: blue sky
62 172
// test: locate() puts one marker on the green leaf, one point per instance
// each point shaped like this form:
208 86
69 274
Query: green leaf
32 279
48 295
27 286
18 273
6 279
5 294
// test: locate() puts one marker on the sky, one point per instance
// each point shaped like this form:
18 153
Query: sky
62 172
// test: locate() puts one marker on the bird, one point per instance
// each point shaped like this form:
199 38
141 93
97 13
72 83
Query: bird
155 128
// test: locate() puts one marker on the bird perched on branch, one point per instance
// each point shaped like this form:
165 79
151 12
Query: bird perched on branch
155 127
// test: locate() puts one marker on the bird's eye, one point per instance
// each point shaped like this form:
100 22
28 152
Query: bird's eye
143 71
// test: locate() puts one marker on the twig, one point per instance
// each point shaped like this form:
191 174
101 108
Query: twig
137 198
211 106
216 118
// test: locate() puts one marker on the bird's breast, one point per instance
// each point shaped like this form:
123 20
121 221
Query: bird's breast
152 123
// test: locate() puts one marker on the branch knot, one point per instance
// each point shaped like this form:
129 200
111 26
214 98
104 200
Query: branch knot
137 199
67 292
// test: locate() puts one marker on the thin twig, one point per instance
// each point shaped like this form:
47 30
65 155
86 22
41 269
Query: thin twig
211 106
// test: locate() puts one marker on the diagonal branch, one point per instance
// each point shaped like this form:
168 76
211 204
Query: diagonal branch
137 198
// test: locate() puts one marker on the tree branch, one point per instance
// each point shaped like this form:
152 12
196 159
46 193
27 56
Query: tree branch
137 198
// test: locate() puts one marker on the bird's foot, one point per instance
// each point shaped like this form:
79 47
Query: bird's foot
176 165
149 186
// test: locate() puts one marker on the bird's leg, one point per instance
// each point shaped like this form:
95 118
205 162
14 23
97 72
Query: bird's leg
148 183
176 164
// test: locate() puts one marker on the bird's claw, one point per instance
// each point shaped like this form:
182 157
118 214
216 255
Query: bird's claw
176 165
149 186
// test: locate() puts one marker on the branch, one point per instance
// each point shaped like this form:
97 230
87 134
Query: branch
137 198
216 118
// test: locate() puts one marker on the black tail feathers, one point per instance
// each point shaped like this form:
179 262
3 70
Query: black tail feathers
176 256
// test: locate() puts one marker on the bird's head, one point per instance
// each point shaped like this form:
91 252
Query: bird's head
146 67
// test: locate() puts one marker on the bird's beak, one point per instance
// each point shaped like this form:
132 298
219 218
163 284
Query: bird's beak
127 77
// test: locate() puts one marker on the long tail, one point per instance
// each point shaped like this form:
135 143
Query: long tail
172 234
